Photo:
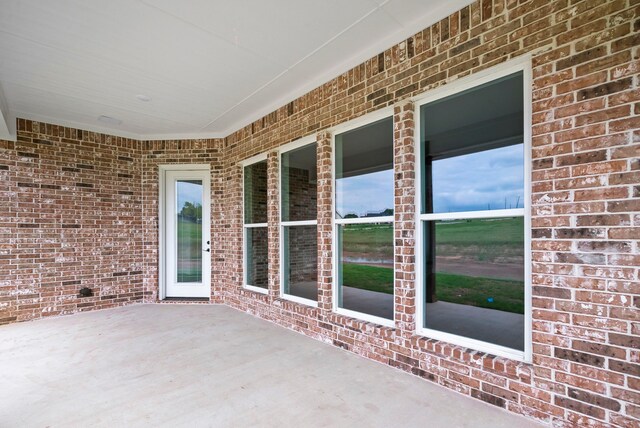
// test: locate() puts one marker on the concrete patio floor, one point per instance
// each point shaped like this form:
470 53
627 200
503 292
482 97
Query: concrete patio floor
208 365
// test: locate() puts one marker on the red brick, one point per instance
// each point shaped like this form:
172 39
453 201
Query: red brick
585 191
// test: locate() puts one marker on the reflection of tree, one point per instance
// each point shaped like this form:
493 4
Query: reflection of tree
191 212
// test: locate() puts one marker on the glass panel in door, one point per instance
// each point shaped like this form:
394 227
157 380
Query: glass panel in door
188 231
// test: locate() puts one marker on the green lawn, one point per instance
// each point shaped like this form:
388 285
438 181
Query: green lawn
507 295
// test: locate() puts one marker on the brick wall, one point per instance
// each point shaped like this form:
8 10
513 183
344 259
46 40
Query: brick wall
70 218
585 218
585 209
80 209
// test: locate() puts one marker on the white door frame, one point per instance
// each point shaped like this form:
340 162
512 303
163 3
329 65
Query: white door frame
162 221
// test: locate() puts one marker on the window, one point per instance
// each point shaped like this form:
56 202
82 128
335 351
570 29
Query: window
256 265
299 224
364 222
472 221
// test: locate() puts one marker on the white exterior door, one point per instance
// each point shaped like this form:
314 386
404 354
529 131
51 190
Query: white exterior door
187 234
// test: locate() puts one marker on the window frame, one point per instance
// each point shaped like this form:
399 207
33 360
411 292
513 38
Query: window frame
294 145
522 64
375 116
245 226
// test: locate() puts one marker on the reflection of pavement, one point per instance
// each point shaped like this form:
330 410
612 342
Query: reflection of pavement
489 325
368 302
354 299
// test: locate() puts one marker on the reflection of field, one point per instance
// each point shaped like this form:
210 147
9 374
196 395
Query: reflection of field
189 255
478 262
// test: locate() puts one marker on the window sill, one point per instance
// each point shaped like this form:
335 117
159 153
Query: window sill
300 300
256 289
473 344
365 317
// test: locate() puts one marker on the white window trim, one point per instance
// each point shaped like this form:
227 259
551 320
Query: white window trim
383 113
513 212
253 159
521 64
366 119
302 142
245 226
365 220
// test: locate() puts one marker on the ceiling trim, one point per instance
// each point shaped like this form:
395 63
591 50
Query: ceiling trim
114 132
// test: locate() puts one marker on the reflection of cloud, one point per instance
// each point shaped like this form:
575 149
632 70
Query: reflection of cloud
188 192
365 193
478 181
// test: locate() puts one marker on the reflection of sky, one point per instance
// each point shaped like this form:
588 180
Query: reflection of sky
188 192
365 193
480 181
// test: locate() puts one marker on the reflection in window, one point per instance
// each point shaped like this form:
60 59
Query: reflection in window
299 184
364 171
473 199
256 264
189 231
364 219
365 268
255 193
478 265
299 190
488 180
257 256
300 261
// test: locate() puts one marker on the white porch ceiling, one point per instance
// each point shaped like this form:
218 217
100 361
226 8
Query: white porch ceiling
209 66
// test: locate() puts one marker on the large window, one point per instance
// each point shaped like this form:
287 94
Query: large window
472 218
298 224
256 249
364 222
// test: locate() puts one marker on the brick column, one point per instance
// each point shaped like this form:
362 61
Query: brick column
404 213
325 217
273 220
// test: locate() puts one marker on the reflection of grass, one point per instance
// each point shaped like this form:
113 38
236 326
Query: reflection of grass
485 240
189 249
373 240
371 278
189 231
507 295
473 291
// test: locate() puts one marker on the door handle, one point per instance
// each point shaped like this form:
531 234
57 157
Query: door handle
208 250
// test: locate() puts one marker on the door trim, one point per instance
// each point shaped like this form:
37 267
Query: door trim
162 198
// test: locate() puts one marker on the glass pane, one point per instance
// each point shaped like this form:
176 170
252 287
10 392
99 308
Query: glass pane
364 171
300 262
257 257
255 193
299 184
365 268
474 279
472 149
488 180
189 230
